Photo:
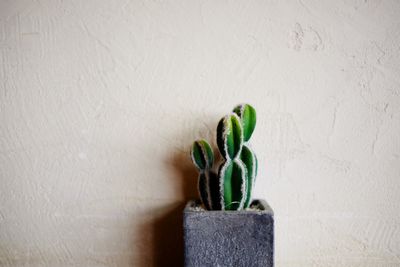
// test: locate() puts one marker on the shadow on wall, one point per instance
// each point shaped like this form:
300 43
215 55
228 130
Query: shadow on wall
168 238
168 229
161 230
159 238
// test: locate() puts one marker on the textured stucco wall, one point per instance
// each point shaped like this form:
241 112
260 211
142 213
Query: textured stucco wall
100 100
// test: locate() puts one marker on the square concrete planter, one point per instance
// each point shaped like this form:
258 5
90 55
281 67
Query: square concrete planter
229 238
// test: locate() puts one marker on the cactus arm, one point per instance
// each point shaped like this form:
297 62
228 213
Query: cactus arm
230 136
248 158
241 184
202 155
233 176
203 158
248 118
221 171
207 150
204 189
197 156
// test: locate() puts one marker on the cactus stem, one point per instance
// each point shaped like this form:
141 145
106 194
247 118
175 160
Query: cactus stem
221 182
244 184
208 190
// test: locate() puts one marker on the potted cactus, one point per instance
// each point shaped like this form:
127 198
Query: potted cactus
226 227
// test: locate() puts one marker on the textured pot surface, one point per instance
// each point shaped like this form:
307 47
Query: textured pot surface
229 238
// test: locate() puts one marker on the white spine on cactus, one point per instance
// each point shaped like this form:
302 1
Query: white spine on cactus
221 175
244 183
205 155
241 136
225 133
242 107
253 179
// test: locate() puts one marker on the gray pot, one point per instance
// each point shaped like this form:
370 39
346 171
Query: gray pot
229 238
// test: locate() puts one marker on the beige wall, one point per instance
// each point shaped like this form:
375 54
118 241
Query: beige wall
100 101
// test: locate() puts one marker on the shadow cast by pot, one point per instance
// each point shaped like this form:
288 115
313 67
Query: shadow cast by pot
168 223
168 238
162 231
159 234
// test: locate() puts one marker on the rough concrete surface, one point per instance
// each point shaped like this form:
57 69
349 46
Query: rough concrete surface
229 238
100 101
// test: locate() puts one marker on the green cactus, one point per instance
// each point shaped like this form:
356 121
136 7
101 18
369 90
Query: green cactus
247 115
229 136
202 155
249 160
232 175
203 159
231 189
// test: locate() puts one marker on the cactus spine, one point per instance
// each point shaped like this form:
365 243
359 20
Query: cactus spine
231 189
